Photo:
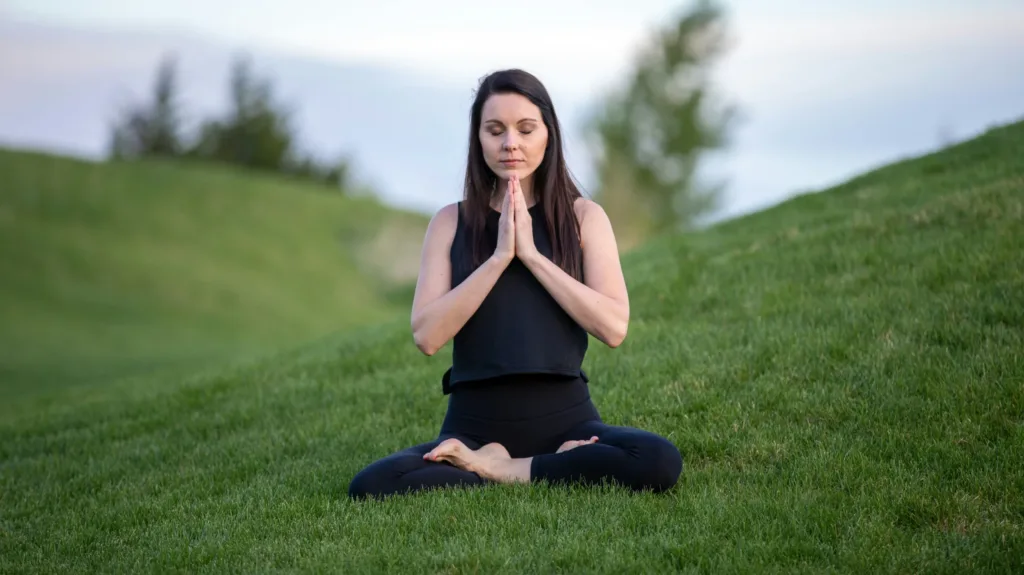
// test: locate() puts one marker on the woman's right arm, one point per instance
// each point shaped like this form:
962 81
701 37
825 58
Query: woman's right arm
439 312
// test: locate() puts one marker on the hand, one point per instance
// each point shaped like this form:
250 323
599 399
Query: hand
574 443
506 248
525 248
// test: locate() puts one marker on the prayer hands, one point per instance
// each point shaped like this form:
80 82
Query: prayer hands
506 248
525 247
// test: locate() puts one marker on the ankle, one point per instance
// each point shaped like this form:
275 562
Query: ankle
510 470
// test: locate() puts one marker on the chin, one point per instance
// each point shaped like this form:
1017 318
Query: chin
520 171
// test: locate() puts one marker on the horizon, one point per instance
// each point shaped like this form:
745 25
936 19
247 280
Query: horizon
841 92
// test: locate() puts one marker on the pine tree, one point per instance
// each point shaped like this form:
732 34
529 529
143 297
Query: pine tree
256 132
153 129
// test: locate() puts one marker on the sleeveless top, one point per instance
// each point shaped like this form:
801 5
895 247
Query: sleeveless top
519 327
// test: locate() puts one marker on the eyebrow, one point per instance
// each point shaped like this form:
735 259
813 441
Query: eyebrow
493 121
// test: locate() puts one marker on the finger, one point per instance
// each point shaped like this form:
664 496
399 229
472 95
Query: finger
510 198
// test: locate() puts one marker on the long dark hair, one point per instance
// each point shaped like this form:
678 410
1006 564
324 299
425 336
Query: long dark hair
552 182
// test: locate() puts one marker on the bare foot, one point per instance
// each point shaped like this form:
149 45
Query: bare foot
485 461
494 450
574 443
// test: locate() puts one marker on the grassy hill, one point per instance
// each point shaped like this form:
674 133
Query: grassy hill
118 269
844 375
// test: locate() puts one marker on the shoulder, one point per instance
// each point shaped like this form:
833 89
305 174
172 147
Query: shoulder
449 214
593 219
589 212
444 222
446 217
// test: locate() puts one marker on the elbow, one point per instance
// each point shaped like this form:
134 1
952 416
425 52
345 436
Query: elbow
616 340
423 343
616 335
419 338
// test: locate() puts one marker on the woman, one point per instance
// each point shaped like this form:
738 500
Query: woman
518 273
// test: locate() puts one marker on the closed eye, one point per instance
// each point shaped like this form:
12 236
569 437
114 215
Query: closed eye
523 132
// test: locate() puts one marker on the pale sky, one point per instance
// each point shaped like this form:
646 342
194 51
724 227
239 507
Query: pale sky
573 42
942 65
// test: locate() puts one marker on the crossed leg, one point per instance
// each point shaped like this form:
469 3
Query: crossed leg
407 470
635 458
631 457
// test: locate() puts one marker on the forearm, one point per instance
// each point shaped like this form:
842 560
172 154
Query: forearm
601 316
438 322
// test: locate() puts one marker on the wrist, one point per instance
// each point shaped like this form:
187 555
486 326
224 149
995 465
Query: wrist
529 258
501 260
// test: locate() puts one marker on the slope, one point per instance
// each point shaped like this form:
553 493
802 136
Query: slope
843 374
116 269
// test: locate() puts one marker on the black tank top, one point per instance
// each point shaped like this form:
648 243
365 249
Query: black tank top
519 327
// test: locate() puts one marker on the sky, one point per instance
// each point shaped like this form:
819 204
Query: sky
826 89
574 42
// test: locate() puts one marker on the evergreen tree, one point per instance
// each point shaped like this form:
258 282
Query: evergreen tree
256 132
153 129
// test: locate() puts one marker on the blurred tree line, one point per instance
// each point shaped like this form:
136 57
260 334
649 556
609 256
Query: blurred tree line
650 134
256 132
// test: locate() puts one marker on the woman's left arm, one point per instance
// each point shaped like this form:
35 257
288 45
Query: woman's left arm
601 304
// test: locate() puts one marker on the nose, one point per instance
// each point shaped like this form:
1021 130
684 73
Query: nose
510 143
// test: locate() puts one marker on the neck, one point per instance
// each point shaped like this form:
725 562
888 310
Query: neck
526 184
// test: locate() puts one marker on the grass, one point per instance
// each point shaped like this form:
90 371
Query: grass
109 270
843 373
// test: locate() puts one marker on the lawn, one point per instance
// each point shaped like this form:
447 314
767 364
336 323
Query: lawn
843 373
110 270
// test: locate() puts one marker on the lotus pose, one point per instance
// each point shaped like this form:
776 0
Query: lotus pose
518 273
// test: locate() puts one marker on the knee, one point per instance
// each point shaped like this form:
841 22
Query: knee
662 464
374 481
361 486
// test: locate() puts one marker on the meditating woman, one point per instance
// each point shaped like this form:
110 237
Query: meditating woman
518 273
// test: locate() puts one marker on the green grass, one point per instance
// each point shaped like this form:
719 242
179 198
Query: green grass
843 373
109 270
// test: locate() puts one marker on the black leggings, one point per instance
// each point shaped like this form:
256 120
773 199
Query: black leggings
531 416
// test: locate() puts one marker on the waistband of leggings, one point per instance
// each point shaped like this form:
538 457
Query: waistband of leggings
518 397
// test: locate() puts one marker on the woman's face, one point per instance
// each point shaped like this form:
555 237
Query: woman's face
513 135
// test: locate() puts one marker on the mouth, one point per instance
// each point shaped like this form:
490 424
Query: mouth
511 162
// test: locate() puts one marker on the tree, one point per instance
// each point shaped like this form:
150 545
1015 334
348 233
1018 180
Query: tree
255 133
651 134
152 130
